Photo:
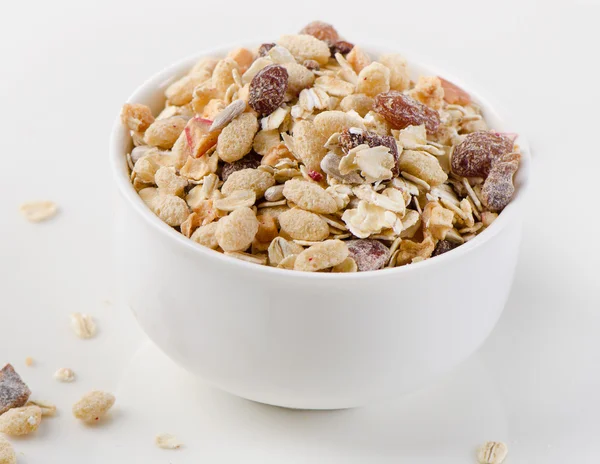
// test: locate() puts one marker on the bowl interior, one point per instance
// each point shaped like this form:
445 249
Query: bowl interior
151 93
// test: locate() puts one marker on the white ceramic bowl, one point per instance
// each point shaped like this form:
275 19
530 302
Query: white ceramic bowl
303 340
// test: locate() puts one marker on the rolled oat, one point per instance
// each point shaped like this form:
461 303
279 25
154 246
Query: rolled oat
311 145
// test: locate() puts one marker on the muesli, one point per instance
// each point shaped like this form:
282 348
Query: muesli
310 154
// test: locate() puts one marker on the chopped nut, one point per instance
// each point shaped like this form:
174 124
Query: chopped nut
492 452
136 117
37 211
93 406
64 374
83 325
167 441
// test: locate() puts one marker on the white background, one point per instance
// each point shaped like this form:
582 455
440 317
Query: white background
66 68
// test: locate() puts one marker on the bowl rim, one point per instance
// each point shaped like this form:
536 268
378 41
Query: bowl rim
117 159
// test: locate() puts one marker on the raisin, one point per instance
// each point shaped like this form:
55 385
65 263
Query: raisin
442 247
369 254
267 89
402 111
322 31
250 161
353 137
498 188
311 64
474 156
341 46
263 50
453 94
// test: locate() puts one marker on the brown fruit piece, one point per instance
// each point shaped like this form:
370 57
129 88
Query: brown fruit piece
402 111
267 89
369 254
322 31
353 137
341 46
14 393
443 246
250 161
475 155
263 50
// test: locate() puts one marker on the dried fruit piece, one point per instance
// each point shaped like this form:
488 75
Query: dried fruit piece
267 228
402 111
263 50
196 138
453 94
93 405
443 246
369 254
341 46
20 421
498 187
353 137
477 153
250 161
267 89
13 391
322 31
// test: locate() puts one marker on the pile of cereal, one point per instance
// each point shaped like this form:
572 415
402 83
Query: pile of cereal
307 154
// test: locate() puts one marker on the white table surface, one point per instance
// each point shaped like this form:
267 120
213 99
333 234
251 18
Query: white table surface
67 66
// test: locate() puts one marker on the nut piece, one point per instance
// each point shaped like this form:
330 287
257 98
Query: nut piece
322 31
306 47
232 111
83 325
236 139
321 256
237 231
373 79
136 117
93 405
167 441
13 391
492 452
7 453
309 196
37 211
267 228
248 179
64 374
20 421
303 225
163 133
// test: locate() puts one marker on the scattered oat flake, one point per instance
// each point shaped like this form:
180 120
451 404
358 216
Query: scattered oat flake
83 325
64 374
37 211
48 409
167 441
492 452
